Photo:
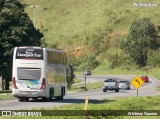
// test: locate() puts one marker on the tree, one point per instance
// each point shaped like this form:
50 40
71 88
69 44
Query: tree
9 4
91 61
70 75
16 29
142 38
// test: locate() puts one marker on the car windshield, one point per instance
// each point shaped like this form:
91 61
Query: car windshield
110 80
123 82
87 71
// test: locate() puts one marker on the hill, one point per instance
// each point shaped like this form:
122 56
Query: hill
67 23
92 30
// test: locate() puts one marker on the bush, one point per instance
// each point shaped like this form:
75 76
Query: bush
88 63
142 37
91 61
70 75
154 58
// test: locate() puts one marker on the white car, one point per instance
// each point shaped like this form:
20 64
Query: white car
124 85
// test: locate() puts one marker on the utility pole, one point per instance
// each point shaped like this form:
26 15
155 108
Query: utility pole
34 10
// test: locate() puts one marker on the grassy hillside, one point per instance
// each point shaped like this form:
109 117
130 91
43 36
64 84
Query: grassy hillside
95 26
68 23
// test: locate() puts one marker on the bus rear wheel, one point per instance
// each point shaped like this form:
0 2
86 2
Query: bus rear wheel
51 94
59 97
24 99
62 94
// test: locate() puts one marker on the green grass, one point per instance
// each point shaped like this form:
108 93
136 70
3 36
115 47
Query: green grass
90 86
69 22
5 91
104 69
129 103
120 103
158 88
78 81
122 71
6 96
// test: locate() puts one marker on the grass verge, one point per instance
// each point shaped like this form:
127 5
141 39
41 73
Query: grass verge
120 103
78 81
5 91
6 96
89 86
123 71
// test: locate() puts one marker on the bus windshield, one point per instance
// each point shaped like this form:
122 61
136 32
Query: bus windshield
28 73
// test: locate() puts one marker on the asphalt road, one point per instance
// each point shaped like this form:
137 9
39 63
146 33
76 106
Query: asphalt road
95 96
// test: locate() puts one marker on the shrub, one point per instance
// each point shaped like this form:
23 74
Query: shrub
154 58
142 38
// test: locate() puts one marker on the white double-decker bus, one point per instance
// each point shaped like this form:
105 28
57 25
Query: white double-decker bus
38 73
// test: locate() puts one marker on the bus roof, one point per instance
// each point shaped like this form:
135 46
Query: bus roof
37 47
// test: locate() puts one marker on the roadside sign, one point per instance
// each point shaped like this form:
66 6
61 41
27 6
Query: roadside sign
137 82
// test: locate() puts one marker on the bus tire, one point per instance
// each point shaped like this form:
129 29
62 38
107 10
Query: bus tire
62 94
64 91
50 94
23 99
26 99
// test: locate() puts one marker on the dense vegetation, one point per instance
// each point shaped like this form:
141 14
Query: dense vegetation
16 29
142 38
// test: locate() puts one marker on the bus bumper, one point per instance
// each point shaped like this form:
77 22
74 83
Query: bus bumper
30 93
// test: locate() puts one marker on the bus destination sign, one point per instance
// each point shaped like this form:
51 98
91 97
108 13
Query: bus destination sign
29 53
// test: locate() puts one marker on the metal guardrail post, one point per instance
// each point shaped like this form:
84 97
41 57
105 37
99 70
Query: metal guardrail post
85 81
1 83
